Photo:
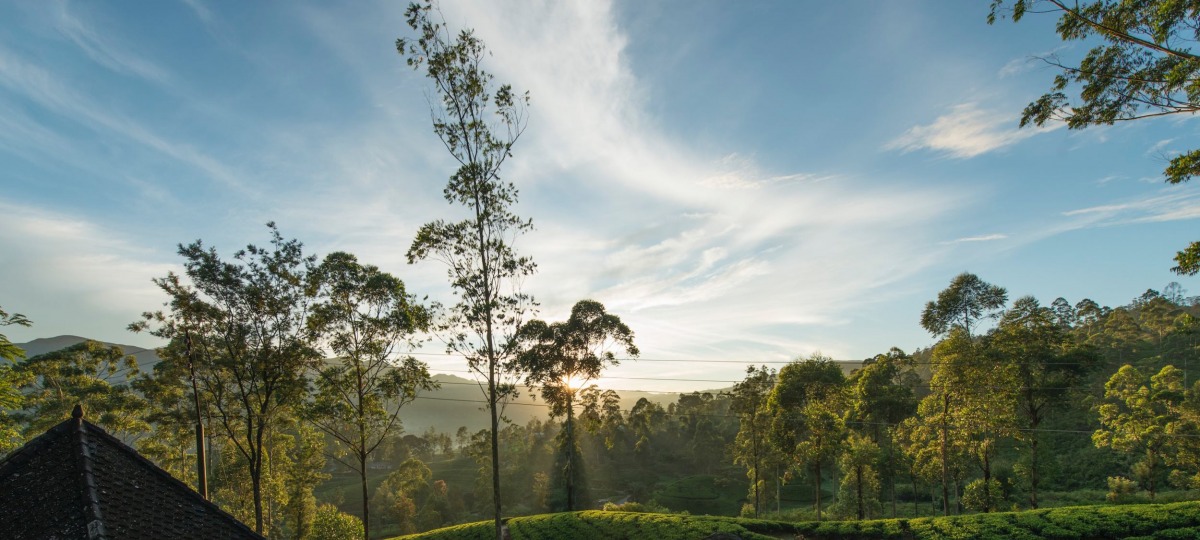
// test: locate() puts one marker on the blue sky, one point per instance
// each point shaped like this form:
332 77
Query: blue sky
738 181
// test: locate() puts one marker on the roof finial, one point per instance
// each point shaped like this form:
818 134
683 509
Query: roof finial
77 412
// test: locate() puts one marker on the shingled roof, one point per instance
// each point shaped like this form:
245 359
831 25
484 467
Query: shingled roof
75 481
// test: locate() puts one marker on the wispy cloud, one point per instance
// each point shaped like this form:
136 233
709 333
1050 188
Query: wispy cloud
1171 204
965 132
104 50
1019 65
44 88
686 247
1160 149
740 172
981 238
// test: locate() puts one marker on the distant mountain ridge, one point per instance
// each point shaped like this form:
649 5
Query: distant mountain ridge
146 358
459 401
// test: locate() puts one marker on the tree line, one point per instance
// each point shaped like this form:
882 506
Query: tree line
1061 396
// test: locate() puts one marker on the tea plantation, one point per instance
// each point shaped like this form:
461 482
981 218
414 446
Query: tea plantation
1177 521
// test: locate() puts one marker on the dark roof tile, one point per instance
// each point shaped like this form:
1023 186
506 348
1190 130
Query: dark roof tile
45 493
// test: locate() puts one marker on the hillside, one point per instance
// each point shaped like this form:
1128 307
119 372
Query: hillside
459 402
456 403
1143 522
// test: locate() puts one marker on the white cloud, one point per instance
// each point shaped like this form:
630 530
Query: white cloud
965 132
70 275
1171 204
1160 148
692 251
981 238
1017 66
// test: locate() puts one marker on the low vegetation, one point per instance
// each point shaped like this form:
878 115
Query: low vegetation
1142 521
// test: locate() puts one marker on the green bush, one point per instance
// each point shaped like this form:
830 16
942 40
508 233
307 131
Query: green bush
651 506
983 496
1120 488
1173 521
333 524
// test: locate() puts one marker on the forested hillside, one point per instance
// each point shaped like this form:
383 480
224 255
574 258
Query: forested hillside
1017 405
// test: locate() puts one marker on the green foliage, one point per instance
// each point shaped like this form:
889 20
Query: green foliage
303 473
983 495
11 381
91 374
1141 68
240 328
559 358
478 129
332 524
1045 365
400 497
365 316
751 447
1188 260
651 507
1177 520
808 405
1120 489
562 357
602 525
8 351
965 302
1138 418
858 492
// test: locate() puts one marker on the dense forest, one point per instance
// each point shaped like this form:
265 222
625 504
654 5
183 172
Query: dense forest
1018 405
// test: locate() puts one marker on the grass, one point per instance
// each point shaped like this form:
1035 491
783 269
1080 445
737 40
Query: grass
1127 522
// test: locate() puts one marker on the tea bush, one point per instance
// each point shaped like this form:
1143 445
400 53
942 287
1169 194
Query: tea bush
1175 521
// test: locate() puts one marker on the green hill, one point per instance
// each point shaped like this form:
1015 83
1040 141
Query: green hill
1176 521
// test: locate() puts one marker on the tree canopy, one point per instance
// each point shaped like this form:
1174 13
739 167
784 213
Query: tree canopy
1143 67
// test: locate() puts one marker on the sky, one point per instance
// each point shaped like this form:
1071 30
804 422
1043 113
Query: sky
740 182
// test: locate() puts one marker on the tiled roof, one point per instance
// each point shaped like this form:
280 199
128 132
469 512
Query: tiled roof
77 482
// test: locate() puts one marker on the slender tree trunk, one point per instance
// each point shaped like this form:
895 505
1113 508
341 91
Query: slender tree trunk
366 513
817 485
1033 469
570 454
891 463
778 490
256 485
201 462
945 451
201 457
858 478
912 476
754 434
987 481
256 468
495 453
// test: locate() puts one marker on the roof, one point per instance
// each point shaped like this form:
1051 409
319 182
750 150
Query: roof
75 481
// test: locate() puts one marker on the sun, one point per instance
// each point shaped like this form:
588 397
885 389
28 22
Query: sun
574 383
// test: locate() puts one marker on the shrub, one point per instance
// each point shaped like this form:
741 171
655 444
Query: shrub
333 524
983 497
650 507
1120 488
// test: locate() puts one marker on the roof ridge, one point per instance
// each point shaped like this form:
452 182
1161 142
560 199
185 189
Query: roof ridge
91 509
164 475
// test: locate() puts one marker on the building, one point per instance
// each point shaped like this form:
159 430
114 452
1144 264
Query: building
75 481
